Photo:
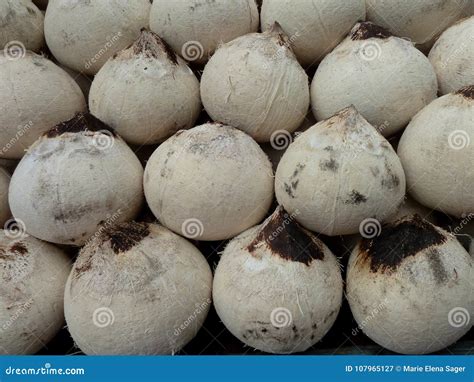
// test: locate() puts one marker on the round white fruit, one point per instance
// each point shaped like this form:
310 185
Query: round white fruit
84 34
436 151
74 178
137 288
32 279
410 288
35 95
195 28
145 92
277 287
386 78
314 27
339 173
209 183
256 84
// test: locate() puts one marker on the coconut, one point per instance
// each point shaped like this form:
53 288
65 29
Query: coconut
420 20
254 83
195 28
33 274
410 288
338 173
385 77
410 207
198 183
84 34
137 288
4 208
452 55
73 178
314 27
35 95
146 93
82 80
21 27
437 155
277 287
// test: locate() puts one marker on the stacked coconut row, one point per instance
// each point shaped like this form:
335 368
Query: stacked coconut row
139 286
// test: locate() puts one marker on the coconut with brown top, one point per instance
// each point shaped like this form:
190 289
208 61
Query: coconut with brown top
137 288
410 288
32 279
74 177
386 78
277 287
145 92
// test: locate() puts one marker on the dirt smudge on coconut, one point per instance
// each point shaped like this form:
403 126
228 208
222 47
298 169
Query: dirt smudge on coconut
287 239
19 248
367 30
355 198
81 122
467 92
398 241
292 184
125 236
437 267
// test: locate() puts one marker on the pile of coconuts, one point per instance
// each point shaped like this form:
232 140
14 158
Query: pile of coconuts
133 132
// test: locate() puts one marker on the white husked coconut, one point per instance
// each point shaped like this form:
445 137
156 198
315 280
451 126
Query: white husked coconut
82 80
32 279
256 84
277 287
385 77
452 56
83 34
35 95
419 20
72 179
209 183
145 92
338 173
437 153
410 288
314 27
137 288
21 26
195 28
4 207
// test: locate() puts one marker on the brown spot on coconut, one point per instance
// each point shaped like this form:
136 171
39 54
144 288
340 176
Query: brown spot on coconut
196 28
74 177
111 27
21 27
451 56
199 178
36 95
32 279
141 282
420 20
314 27
367 63
265 283
256 84
411 274
5 213
146 92
437 155
327 201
